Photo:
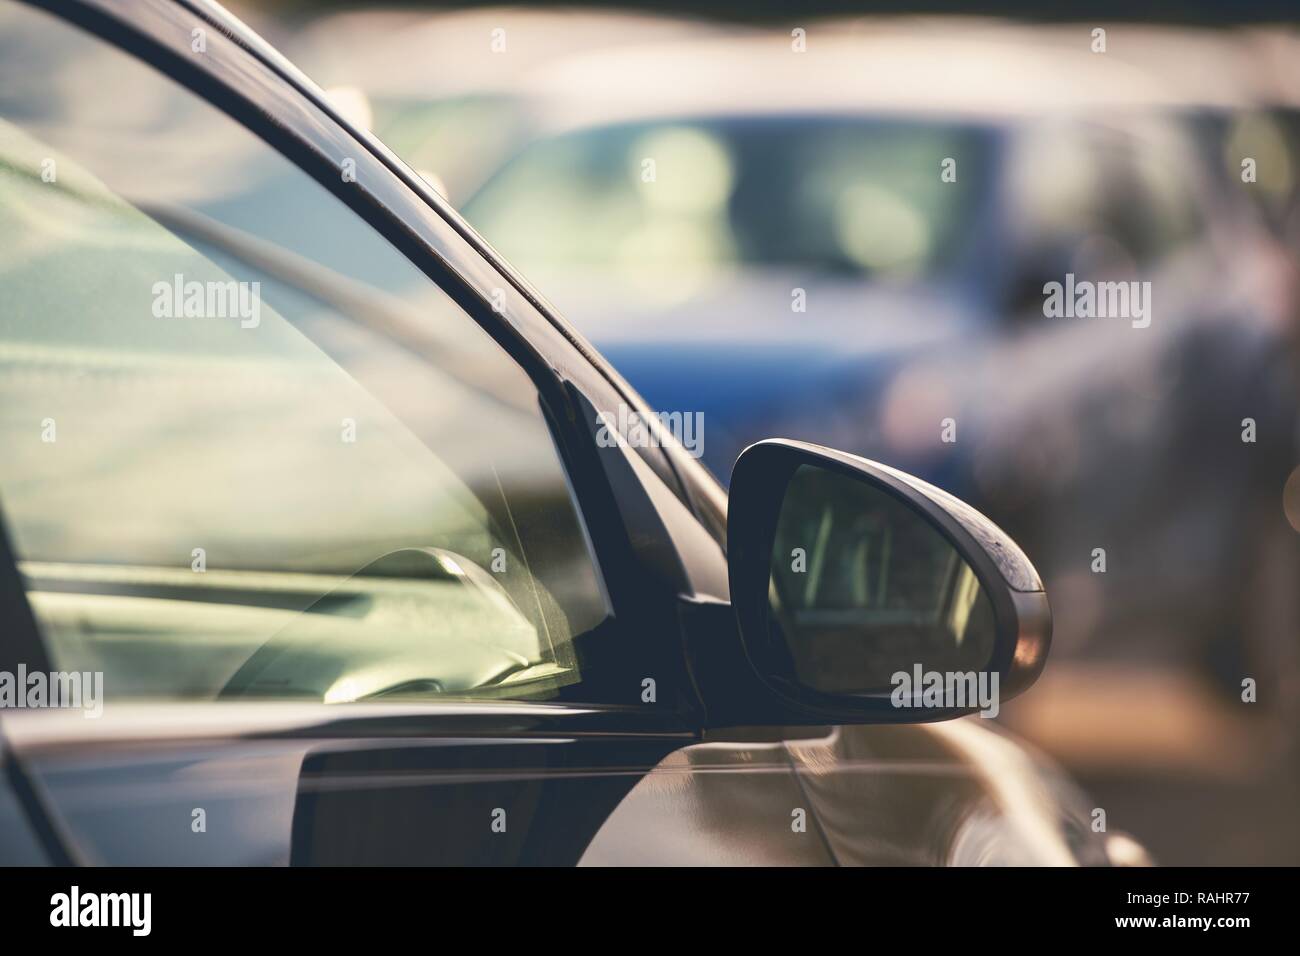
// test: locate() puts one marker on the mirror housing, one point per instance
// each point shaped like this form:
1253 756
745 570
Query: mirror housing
923 573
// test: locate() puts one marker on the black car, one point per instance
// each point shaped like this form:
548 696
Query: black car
324 541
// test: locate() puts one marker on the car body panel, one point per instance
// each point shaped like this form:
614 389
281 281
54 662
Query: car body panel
408 785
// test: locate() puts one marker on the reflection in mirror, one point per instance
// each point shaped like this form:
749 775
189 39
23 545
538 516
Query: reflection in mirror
863 587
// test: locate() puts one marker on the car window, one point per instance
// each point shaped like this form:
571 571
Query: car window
250 449
677 201
1112 202
1165 213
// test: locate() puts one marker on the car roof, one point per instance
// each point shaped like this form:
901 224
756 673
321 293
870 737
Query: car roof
1256 66
404 53
571 68
978 71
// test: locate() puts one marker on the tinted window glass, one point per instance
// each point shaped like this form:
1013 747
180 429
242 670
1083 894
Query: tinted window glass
251 450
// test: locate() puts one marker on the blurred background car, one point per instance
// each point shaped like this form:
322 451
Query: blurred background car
444 86
843 232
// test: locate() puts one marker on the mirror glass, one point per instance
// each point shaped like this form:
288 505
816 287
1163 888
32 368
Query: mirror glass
864 587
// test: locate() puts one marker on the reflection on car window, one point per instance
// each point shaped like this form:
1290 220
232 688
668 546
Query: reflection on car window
858 576
250 449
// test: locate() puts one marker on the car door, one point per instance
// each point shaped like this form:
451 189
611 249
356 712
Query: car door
302 487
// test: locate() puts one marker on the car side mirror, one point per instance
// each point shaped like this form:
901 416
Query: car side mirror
863 594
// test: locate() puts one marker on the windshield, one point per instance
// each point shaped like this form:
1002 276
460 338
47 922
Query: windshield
843 195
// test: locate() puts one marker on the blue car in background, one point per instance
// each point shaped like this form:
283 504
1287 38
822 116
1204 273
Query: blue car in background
855 246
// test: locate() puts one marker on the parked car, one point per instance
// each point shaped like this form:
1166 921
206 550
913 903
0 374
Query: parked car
854 245
305 483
